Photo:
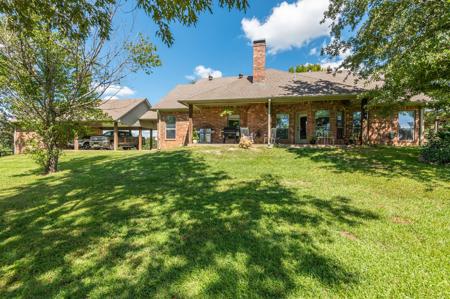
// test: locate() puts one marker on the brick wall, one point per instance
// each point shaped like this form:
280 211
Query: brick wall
254 116
182 126
259 61
21 139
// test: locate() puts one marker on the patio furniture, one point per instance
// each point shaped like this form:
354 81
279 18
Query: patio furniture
230 132
245 132
324 138
273 136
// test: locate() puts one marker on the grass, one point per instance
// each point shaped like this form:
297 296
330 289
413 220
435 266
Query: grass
224 222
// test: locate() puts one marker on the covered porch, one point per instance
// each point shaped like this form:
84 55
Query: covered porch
269 121
322 121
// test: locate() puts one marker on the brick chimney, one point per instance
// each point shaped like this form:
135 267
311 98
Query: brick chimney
259 60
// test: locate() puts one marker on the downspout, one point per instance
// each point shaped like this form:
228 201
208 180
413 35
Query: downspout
269 121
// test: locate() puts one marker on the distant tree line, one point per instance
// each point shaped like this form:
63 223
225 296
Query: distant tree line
302 68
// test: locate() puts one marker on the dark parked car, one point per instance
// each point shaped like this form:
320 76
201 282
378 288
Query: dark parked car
106 141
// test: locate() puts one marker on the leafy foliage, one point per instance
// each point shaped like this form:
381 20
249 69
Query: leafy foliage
226 112
302 68
143 55
54 66
437 149
6 133
76 18
404 42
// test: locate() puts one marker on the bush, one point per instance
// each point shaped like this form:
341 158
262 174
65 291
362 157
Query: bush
245 142
437 149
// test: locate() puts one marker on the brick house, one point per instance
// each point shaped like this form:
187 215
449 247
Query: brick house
283 107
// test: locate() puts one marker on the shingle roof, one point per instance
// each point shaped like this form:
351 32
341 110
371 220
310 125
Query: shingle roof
149 115
277 84
118 108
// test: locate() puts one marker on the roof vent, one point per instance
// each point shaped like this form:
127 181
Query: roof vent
210 77
240 76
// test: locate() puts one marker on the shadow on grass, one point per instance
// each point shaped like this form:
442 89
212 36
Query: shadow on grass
169 225
389 162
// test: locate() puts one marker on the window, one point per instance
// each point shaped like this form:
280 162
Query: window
234 121
171 127
322 123
356 128
406 121
339 125
282 126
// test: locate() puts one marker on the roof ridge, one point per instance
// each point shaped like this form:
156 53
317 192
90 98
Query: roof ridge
334 81
209 90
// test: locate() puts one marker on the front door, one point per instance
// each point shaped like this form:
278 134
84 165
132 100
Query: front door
302 121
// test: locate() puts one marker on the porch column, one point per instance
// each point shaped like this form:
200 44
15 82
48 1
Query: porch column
421 125
191 123
140 139
364 122
76 145
116 136
158 129
151 138
269 121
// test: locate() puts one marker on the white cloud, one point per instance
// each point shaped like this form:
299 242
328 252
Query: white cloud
335 61
314 52
117 92
291 25
201 72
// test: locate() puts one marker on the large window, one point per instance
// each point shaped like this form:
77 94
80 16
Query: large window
171 124
339 125
406 121
356 125
282 126
234 121
322 120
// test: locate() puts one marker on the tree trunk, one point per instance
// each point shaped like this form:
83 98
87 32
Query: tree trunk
51 165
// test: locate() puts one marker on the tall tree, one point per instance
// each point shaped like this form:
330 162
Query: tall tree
404 42
58 57
6 132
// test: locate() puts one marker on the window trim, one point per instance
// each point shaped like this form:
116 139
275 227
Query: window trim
170 129
413 127
343 124
353 123
234 117
277 128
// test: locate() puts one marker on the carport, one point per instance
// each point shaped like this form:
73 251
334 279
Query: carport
129 114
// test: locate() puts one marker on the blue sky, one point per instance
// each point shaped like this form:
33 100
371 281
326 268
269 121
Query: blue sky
222 41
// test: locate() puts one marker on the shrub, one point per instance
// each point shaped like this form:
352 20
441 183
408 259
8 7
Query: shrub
195 135
437 149
245 142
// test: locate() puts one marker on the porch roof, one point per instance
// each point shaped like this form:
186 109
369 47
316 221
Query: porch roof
278 84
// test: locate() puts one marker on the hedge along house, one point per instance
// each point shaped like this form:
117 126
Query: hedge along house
120 115
283 107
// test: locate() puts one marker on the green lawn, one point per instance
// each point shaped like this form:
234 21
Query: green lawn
224 222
